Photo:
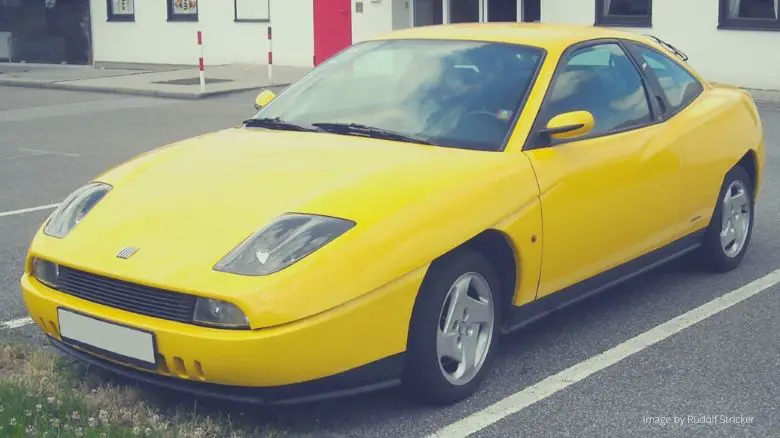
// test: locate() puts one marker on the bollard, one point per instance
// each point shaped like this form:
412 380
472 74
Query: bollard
201 70
270 57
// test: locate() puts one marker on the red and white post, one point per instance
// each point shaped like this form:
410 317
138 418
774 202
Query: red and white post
201 70
270 56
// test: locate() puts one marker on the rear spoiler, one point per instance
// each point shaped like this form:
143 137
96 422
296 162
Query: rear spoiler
669 47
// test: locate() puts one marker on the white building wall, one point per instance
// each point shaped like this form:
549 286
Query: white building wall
376 19
150 39
293 32
739 57
402 14
569 12
744 58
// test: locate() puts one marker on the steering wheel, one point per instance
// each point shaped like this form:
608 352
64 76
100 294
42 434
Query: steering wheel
485 127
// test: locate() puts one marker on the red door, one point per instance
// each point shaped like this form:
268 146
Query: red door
332 28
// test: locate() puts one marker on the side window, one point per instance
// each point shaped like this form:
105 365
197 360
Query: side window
679 86
602 80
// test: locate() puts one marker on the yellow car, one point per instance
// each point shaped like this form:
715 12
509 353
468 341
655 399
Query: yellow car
386 218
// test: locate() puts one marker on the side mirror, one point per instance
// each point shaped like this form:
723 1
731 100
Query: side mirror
569 125
264 98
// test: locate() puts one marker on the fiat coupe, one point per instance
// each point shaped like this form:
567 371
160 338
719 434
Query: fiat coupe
390 215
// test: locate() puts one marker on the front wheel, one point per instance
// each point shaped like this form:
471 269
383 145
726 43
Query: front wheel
728 236
454 333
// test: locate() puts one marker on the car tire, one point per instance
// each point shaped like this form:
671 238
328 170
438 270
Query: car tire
727 238
430 373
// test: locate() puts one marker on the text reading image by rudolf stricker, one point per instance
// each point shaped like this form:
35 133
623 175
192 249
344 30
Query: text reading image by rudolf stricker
698 419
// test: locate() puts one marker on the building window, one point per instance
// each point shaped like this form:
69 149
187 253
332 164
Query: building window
251 11
428 12
749 14
182 10
629 13
121 10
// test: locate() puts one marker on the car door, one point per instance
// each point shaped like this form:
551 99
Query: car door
612 194
693 124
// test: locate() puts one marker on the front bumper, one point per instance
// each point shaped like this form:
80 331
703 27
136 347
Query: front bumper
354 347
374 376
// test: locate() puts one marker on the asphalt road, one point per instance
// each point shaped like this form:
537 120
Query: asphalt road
724 367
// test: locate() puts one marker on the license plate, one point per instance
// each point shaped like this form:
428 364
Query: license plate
128 344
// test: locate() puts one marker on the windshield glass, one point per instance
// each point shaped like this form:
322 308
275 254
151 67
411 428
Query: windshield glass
462 94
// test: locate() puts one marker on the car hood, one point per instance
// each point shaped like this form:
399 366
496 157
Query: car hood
207 194
187 205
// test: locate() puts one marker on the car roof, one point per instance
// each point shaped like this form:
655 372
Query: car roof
552 37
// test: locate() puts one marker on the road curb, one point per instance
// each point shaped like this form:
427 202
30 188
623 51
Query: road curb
761 97
23 83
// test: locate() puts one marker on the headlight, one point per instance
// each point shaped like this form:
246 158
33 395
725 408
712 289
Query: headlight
46 272
286 240
74 208
219 314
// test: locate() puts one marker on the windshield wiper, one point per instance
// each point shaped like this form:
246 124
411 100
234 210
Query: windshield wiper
370 131
277 123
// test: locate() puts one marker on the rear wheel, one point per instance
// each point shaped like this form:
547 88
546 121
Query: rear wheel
454 329
728 236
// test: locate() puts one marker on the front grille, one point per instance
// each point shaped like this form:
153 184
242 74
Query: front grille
127 296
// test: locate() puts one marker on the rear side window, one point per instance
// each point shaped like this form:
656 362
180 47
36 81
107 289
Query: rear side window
679 86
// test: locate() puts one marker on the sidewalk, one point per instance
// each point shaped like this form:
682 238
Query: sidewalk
162 81
765 97
180 82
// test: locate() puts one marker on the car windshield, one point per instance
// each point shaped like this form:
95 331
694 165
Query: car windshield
461 94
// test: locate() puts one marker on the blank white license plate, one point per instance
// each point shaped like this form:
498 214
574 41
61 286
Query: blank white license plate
123 341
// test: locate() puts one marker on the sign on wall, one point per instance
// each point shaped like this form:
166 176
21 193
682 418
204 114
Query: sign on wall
121 10
252 10
185 7
182 10
122 7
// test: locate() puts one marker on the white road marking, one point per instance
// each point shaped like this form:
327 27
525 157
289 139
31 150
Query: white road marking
558 382
45 152
27 210
16 323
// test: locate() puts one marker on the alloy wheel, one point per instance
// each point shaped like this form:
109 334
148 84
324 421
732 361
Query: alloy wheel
735 220
465 328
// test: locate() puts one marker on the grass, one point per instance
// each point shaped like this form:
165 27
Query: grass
42 395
